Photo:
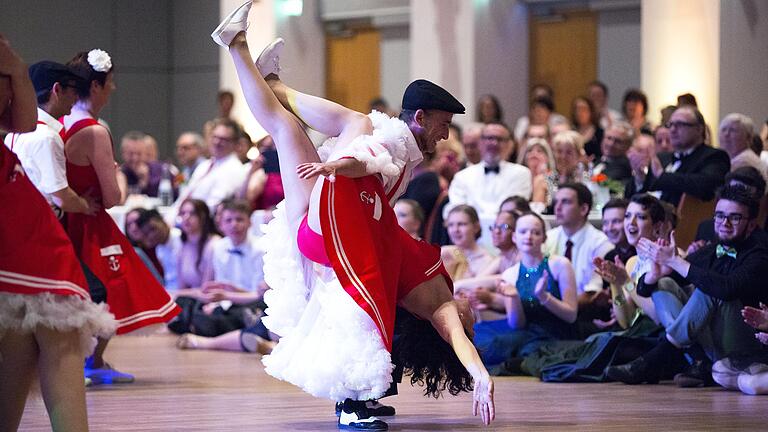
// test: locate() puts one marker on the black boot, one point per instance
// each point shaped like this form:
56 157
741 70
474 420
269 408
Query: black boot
375 408
355 415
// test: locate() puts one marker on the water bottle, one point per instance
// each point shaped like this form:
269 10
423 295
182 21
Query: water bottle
165 190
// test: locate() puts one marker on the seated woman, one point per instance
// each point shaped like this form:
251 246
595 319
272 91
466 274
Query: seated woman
750 375
410 216
539 159
540 299
465 258
569 153
486 302
645 218
198 237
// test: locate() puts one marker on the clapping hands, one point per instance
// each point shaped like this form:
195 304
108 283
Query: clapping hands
757 318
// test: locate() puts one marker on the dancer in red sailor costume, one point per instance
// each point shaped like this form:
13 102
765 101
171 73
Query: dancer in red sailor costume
132 293
47 320
334 304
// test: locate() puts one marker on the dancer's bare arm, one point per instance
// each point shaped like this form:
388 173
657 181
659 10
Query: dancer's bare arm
347 167
447 322
20 115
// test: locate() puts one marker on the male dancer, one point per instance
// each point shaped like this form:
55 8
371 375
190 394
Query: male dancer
339 221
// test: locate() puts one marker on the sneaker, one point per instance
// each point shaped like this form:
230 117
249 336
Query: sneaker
355 416
107 375
233 24
374 408
699 374
88 382
268 62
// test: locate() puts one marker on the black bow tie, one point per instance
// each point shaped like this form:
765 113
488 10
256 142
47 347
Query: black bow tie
237 252
678 157
492 169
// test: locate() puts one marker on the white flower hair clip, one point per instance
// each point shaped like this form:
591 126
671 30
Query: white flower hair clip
99 60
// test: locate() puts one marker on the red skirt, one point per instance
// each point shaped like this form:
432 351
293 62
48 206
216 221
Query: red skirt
36 255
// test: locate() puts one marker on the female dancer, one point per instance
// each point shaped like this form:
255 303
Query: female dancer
333 347
132 293
47 320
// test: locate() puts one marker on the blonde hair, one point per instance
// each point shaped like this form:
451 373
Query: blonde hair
571 138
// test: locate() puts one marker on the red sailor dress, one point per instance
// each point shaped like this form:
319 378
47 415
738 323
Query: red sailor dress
36 255
133 294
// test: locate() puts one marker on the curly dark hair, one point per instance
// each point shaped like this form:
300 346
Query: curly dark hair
428 358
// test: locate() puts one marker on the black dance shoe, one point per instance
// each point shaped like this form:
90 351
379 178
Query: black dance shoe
374 407
699 374
354 415
637 371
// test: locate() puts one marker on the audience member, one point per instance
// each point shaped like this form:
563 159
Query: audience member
485 185
449 157
541 111
750 374
151 148
470 139
163 246
726 276
489 110
598 94
198 236
225 100
410 216
143 175
540 299
219 177
693 168
614 212
635 107
661 136
134 235
586 121
243 146
575 238
189 154
735 133
614 162
515 204
533 131
568 150
381 105
539 159
465 258
228 298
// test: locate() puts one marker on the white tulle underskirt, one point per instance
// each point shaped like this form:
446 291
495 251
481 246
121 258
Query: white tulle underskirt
328 346
24 313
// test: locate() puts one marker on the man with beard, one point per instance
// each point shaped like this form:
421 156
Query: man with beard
726 275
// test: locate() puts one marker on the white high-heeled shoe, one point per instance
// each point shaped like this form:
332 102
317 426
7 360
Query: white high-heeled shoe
233 24
268 62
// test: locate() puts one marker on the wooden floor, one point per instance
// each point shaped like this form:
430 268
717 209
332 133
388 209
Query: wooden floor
216 391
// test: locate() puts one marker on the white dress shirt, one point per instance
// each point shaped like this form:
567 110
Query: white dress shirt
485 192
41 153
240 265
168 254
588 244
215 180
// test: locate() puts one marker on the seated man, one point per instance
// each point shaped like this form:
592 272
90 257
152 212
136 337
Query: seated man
694 168
485 185
231 295
613 162
726 276
142 174
613 227
162 244
576 239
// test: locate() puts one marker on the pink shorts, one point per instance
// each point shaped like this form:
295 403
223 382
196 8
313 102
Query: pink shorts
311 244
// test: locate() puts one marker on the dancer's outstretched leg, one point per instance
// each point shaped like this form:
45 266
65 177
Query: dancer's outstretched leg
322 115
293 145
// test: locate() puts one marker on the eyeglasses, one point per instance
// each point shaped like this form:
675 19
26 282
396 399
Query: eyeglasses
221 138
502 227
493 138
733 218
679 124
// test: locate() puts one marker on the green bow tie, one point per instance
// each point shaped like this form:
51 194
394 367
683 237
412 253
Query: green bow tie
725 250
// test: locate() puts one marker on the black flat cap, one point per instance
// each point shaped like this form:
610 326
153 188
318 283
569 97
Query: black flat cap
423 94
45 73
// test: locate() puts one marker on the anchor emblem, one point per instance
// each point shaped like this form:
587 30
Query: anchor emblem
114 264
366 197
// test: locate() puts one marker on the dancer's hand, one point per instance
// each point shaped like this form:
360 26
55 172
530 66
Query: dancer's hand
757 318
482 399
313 169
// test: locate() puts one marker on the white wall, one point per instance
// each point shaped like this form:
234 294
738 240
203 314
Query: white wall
618 54
395 63
744 59
681 53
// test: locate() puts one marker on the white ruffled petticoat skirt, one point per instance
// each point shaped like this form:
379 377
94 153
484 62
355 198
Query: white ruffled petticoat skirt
328 345
25 312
